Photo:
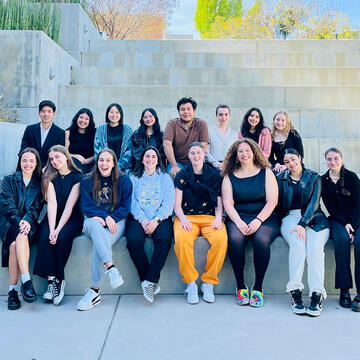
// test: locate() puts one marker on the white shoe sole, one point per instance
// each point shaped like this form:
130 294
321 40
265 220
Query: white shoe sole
58 299
313 313
210 299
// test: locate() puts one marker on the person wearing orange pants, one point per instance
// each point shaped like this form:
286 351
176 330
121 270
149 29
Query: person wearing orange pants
198 209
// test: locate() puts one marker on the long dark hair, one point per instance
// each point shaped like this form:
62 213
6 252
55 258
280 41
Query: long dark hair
120 111
245 126
342 171
37 171
156 127
115 174
90 128
140 168
294 152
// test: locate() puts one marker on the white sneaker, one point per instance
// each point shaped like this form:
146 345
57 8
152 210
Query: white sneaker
191 292
208 292
48 294
115 277
89 300
58 291
156 289
148 290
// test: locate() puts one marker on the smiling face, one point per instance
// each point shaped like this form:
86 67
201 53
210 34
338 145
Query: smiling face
280 122
105 164
58 160
254 118
223 116
83 121
150 160
186 112
114 116
334 161
244 154
293 163
196 156
46 115
28 164
149 119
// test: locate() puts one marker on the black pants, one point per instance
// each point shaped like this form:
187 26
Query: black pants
162 237
51 259
343 277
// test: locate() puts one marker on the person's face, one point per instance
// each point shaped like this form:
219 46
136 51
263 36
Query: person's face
334 161
223 116
186 112
46 114
83 121
196 155
149 119
105 163
58 160
292 162
114 115
280 122
254 118
150 160
244 154
28 163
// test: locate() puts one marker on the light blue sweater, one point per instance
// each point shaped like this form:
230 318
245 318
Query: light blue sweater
153 196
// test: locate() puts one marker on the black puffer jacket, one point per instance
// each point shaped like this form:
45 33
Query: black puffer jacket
310 185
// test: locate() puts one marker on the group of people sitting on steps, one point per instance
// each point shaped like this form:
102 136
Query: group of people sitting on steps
229 186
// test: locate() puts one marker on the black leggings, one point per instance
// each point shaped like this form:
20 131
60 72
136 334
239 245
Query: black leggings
261 242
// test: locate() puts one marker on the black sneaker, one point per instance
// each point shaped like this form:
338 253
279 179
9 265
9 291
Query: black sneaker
355 306
297 303
28 292
58 291
13 300
345 299
315 306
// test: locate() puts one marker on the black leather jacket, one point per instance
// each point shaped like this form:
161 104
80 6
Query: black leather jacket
20 202
310 185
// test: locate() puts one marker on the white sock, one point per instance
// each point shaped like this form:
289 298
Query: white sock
51 278
13 287
25 277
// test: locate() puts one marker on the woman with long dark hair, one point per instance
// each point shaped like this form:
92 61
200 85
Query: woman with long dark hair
250 194
64 220
114 134
305 228
79 139
253 128
341 196
105 202
151 209
20 205
148 134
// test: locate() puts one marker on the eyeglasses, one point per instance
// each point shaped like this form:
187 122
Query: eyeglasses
330 159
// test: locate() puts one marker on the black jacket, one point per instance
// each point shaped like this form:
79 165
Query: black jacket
32 138
310 185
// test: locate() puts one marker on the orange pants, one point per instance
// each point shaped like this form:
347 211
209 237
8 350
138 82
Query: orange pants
184 248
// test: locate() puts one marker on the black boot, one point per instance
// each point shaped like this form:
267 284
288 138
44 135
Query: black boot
28 292
13 300
345 299
355 306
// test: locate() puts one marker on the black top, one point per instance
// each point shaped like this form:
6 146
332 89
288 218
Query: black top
254 136
115 137
200 192
296 199
82 144
293 141
343 206
63 185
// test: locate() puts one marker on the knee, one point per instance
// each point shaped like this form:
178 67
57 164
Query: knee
13 248
91 225
220 239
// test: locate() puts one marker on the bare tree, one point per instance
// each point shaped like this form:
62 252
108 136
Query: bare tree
123 19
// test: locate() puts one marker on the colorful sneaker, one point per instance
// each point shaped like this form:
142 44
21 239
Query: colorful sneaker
256 298
242 296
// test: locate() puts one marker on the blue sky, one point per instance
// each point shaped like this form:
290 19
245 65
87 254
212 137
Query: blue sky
182 21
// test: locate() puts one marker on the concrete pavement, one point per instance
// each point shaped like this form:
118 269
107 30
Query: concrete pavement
127 327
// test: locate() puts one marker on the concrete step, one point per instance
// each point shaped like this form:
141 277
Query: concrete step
220 60
281 97
214 76
78 277
226 46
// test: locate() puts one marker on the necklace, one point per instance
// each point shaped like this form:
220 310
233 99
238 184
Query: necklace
334 178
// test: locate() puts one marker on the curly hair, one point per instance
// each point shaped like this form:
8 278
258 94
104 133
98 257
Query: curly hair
231 162
289 125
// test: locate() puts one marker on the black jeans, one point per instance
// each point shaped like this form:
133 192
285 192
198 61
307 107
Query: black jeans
343 277
162 238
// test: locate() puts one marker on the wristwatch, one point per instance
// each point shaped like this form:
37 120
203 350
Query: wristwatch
158 220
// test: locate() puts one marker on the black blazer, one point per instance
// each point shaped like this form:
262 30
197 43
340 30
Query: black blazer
32 138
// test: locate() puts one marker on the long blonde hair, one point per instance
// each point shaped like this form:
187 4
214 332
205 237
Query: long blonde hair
50 172
289 126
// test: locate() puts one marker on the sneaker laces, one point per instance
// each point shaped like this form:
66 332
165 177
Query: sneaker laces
315 300
150 290
56 288
297 297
